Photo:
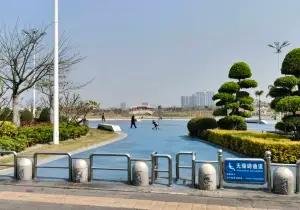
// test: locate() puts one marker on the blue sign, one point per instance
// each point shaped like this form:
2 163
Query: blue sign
244 170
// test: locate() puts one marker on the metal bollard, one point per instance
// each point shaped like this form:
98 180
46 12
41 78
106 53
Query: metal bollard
298 177
220 160
140 174
170 170
207 177
269 170
154 162
194 171
24 169
283 181
80 170
177 167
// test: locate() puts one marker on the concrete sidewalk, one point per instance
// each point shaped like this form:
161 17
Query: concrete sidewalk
105 195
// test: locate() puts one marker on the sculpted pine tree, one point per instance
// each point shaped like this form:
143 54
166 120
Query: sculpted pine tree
233 100
286 94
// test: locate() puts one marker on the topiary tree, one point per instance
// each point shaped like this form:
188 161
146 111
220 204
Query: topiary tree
26 115
6 114
285 92
232 98
45 115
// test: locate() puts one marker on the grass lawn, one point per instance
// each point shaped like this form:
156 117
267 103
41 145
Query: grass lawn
94 136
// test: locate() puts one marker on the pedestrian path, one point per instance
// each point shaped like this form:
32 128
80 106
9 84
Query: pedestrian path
109 202
107 195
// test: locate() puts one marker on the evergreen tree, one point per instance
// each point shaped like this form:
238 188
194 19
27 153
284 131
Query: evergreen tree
232 97
286 94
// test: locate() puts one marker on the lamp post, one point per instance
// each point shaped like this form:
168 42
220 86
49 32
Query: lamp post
34 92
56 93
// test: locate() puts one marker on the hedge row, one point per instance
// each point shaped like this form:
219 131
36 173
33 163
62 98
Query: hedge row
28 136
254 144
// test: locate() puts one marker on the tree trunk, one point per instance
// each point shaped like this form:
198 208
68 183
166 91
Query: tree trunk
16 111
51 115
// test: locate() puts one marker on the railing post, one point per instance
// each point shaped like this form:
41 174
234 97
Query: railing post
153 166
170 170
129 168
220 160
298 177
268 169
70 167
34 170
91 168
15 164
194 170
177 166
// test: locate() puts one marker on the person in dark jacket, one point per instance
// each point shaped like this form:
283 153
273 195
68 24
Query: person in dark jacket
133 120
103 117
155 124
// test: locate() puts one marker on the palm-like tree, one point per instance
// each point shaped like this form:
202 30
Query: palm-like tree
278 47
259 93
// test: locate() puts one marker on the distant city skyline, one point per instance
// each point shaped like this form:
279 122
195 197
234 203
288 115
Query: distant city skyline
198 99
157 50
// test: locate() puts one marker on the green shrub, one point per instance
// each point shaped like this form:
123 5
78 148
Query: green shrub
232 123
44 134
197 126
248 83
291 63
254 144
240 70
6 114
26 115
16 144
286 82
229 87
45 115
8 129
17 139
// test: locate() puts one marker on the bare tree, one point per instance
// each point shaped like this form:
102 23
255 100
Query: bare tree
4 102
75 109
17 71
46 85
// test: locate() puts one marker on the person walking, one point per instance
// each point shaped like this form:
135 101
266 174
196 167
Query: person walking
103 117
133 120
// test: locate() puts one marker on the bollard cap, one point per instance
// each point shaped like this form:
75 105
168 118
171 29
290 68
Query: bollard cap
268 153
207 168
140 166
24 162
80 163
283 172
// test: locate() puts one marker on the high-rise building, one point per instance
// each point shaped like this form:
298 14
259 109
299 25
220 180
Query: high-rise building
185 101
199 99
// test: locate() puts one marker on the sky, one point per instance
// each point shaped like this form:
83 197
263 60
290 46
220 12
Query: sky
158 50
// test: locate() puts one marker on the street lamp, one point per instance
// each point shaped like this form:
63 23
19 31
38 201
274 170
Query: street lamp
34 86
278 47
56 93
